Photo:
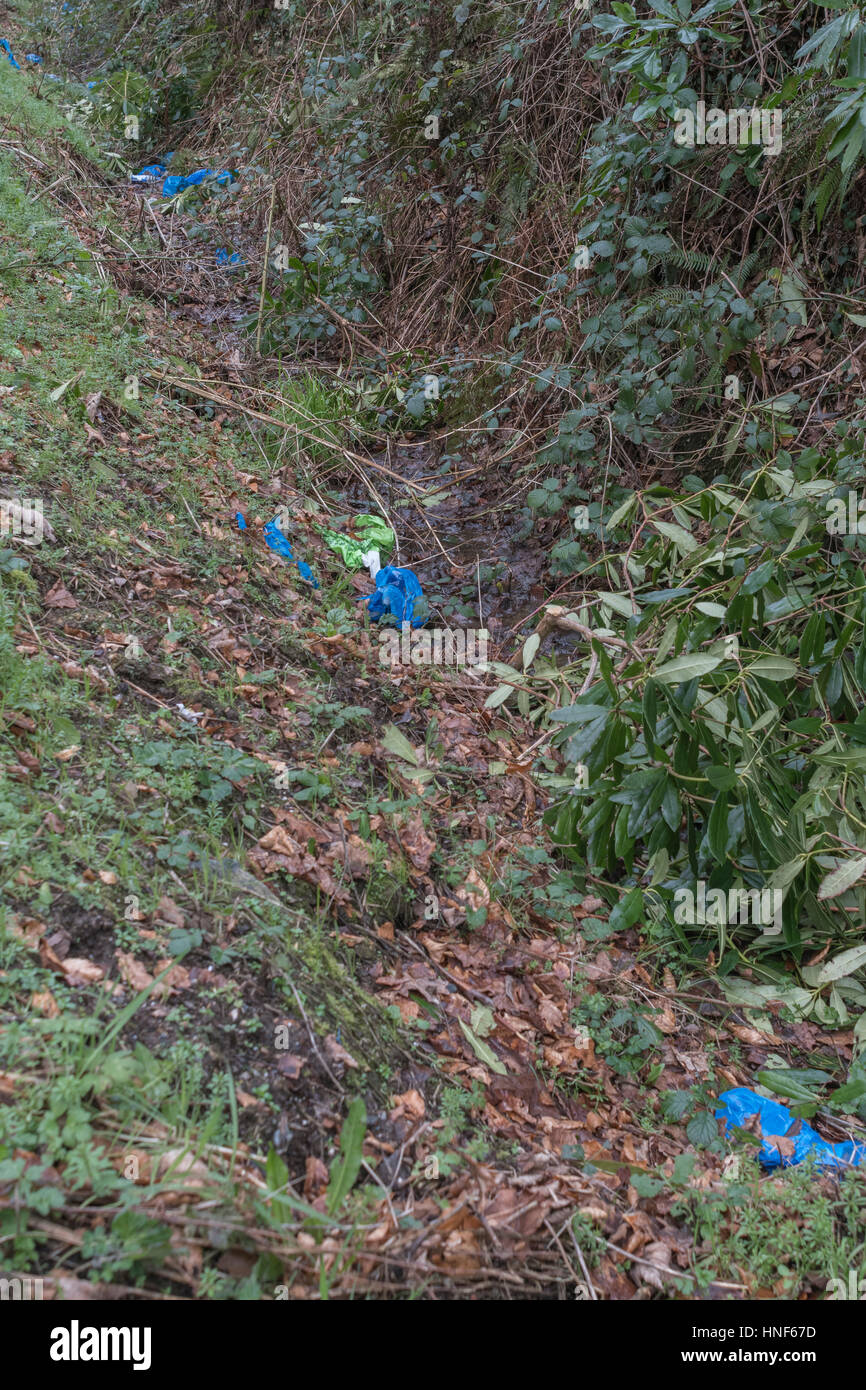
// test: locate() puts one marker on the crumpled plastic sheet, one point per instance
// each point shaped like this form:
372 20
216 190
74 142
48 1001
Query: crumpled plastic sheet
151 173
231 260
32 58
776 1121
276 541
373 534
7 49
178 183
396 593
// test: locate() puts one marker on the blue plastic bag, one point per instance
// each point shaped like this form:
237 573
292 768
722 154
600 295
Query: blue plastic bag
7 49
32 58
151 173
776 1120
276 541
224 258
178 183
396 592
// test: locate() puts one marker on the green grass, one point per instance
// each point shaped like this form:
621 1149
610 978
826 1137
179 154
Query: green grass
111 803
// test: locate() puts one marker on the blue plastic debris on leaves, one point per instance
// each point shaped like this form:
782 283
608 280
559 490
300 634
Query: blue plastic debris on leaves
172 185
279 543
7 49
32 58
151 173
178 183
275 539
396 592
776 1122
241 521
223 257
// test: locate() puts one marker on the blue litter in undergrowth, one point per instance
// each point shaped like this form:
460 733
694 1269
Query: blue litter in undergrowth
241 521
178 183
175 183
775 1121
32 58
151 173
7 49
223 258
396 592
276 541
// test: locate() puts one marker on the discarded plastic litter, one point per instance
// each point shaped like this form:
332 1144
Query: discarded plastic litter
396 592
178 183
777 1122
276 541
223 257
374 535
28 57
151 173
155 172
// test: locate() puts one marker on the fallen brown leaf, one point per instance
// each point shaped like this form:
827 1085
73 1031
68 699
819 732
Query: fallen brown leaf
45 1003
338 1054
59 597
132 972
81 972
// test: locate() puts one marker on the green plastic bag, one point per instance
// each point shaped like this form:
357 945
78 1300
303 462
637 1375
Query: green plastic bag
372 534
